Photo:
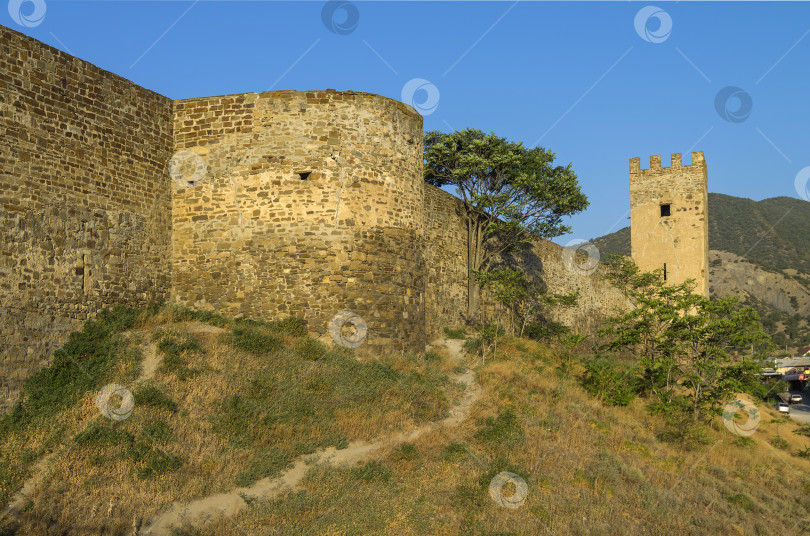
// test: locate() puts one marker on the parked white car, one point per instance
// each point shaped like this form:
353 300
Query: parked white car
783 408
796 398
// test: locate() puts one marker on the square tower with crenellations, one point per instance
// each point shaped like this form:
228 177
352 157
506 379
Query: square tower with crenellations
669 228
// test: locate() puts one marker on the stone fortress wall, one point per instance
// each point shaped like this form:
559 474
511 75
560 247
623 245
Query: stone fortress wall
85 216
288 203
562 270
669 224
312 203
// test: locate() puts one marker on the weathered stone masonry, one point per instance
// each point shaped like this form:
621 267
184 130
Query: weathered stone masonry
670 228
257 239
84 199
311 203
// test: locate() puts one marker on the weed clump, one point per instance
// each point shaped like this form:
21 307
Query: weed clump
310 349
176 346
742 500
459 333
454 451
255 341
151 396
504 430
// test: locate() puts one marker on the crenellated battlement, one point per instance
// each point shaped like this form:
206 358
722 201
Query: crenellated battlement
676 162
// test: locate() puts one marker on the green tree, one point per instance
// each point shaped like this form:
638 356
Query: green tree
524 300
510 194
643 327
711 340
687 342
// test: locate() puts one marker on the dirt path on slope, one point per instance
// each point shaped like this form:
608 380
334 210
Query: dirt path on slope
229 503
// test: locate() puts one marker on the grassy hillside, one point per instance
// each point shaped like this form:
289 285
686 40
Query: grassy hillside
230 402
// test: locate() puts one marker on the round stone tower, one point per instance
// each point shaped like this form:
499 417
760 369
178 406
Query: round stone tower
302 203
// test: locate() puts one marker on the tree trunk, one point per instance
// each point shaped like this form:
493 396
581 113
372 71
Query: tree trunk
473 297
474 260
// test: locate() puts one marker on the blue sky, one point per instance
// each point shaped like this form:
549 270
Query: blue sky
577 78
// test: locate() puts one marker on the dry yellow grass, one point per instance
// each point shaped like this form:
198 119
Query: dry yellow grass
94 488
590 470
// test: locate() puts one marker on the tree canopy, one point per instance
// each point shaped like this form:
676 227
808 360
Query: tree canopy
510 194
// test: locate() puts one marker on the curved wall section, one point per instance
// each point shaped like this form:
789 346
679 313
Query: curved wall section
310 203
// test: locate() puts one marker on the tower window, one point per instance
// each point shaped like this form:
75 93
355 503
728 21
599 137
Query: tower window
665 269
304 175
665 210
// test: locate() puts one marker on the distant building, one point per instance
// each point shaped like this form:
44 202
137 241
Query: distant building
791 365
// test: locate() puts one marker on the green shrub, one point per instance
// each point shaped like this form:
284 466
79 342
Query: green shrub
102 436
745 441
606 381
459 333
681 429
81 365
296 327
473 346
147 459
237 416
432 357
545 330
175 346
157 432
269 464
154 462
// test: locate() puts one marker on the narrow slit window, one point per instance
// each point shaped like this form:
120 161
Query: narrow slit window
304 175
665 271
666 210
